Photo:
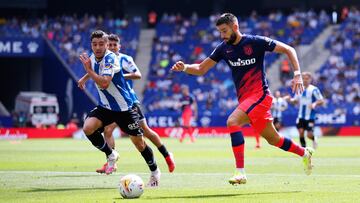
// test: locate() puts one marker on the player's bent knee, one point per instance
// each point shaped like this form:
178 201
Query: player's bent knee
232 122
138 142
88 130
310 134
140 146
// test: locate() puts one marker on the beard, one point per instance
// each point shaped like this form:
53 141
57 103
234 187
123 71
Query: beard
232 38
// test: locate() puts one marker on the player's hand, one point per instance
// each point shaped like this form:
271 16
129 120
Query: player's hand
85 60
297 84
178 66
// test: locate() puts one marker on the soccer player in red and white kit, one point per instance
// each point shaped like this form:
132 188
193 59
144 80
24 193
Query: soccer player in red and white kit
189 112
245 56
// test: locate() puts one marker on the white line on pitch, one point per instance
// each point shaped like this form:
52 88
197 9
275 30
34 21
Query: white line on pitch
176 174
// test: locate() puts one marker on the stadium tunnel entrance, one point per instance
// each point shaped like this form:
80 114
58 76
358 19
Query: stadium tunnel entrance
19 74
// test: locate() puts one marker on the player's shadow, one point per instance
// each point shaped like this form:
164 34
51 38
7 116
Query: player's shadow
70 176
64 189
219 195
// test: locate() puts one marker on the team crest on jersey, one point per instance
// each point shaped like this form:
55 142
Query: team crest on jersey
248 50
107 66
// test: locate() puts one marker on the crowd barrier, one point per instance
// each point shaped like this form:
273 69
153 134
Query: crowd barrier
173 132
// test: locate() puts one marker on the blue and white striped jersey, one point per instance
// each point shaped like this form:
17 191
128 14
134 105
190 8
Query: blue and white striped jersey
278 106
309 96
117 96
128 65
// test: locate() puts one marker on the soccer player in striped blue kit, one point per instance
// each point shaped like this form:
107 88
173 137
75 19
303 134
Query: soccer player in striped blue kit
115 103
131 72
279 105
308 101
244 54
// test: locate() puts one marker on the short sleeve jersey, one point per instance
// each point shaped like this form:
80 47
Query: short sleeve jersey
246 60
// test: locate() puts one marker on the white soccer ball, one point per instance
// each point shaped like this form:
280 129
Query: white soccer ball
131 186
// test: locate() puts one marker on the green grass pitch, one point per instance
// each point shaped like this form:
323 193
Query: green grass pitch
62 170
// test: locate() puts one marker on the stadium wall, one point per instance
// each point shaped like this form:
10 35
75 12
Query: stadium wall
58 81
170 132
323 119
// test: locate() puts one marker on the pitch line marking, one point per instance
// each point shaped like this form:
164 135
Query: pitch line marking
183 174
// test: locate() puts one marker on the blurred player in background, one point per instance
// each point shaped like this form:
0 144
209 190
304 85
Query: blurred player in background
131 72
308 101
115 104
189 112
279 105
244 54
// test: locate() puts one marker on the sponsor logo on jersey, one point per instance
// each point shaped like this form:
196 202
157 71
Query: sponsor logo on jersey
241 62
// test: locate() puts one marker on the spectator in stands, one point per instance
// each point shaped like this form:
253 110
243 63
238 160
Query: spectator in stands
285 71
189 112
152 19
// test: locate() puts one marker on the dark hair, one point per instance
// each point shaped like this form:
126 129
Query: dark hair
114 37
226 18
98 34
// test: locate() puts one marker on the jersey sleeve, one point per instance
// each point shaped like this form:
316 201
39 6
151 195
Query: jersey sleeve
317 94
111 65
216 55
128 64
266 43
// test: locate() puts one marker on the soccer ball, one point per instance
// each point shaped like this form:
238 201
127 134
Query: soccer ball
131 186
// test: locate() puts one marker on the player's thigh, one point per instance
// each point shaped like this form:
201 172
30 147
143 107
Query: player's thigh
147 130
238 118
91 124
150 133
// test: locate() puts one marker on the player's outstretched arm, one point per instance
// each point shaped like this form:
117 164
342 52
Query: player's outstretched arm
317 103
297 85
194 69
133 76
82 81
132 71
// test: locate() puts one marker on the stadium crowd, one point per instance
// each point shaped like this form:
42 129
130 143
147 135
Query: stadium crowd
192 39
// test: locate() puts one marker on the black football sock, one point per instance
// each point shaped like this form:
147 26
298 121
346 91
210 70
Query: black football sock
98 141
149 158
302 141
163 151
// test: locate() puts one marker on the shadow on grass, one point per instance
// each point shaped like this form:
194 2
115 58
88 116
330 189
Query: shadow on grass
70 176
217 195
65 189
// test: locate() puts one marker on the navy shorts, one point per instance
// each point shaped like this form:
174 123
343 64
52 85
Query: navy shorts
128 121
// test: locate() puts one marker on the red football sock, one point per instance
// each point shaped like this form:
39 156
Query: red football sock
288 145
239 155
237 142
